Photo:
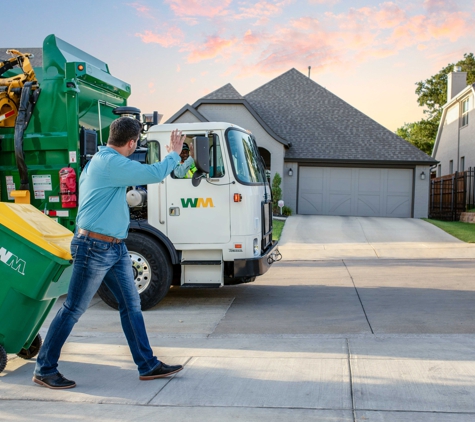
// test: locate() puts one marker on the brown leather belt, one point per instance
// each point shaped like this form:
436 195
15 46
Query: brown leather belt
99 236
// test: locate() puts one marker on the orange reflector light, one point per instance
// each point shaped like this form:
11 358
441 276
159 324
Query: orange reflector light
238 246
80 67
237 197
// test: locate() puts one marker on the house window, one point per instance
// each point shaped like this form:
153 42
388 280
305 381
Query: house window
462 164
439 170
465 104
451 166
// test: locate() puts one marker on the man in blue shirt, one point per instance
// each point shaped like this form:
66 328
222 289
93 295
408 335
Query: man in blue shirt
99 251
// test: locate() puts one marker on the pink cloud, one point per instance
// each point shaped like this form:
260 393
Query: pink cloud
421 28
347 39
204 8
333 41
435 6
325 2
262 10
213 47
172 37
139 7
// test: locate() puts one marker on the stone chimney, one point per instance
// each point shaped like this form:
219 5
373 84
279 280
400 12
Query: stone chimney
456 82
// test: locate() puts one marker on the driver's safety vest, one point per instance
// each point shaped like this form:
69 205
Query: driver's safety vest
189 173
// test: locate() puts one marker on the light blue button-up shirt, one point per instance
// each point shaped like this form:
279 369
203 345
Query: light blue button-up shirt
102 189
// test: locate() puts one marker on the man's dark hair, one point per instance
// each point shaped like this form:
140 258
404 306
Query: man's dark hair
123 130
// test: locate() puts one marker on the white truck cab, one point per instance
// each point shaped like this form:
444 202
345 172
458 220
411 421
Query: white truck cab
211 230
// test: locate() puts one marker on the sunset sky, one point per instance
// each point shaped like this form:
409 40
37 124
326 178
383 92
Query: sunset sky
173 52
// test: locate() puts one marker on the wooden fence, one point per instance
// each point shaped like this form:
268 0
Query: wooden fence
452 195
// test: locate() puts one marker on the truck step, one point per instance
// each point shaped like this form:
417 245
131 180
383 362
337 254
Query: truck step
196 262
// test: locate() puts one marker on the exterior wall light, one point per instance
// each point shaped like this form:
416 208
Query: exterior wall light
290 172
423 176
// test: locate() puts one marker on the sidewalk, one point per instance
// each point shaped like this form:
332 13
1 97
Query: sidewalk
262 378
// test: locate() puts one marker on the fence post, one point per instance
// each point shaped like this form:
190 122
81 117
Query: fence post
454 186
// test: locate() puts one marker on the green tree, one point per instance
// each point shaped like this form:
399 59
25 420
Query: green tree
432 95
421 134
276 192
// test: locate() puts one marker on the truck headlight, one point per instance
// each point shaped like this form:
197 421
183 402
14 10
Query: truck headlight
256 247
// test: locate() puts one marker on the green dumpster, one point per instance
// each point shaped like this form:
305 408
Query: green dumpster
34 252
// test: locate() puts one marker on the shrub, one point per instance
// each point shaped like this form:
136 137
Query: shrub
276 193
286 210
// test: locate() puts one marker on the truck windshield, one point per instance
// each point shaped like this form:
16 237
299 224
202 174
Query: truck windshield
245 157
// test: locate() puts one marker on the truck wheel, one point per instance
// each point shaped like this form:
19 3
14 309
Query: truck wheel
33 350
153 271
3 358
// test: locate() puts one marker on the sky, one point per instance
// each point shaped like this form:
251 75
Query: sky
369 53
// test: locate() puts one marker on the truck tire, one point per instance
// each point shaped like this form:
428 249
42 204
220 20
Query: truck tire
33 350
153 271
3 358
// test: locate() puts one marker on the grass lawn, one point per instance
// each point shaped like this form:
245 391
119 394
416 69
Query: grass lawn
458 229
278 225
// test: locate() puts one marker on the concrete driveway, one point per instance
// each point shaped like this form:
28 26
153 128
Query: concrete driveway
313 237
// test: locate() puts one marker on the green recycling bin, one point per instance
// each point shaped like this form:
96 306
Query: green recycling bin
34 252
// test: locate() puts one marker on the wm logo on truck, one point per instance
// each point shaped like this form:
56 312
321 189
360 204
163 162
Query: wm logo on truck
12 261
197 202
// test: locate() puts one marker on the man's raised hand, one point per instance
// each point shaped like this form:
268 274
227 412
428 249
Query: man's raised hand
176 141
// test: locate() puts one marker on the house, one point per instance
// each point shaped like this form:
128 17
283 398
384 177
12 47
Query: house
333 159
454 145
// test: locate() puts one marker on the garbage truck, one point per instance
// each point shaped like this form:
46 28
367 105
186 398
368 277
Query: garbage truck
207 231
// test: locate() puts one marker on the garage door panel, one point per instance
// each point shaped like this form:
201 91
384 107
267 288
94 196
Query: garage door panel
368 205
369 180
375 192
399 181
398 206
339 205
311 203
313 180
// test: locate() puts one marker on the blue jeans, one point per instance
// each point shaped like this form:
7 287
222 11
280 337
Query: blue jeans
95 261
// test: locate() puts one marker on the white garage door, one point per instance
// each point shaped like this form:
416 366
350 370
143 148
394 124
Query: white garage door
366 192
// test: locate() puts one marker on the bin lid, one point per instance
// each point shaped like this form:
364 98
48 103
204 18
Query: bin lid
31 224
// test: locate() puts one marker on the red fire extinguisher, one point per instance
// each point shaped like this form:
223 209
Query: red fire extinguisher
67 187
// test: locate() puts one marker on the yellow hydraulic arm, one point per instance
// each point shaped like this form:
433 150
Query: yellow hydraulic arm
10 88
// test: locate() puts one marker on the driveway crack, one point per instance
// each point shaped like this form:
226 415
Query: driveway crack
359 298
367 241
353 406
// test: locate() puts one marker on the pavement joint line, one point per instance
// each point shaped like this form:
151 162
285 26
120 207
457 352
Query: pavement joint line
224 316
19 399
181 405
442 412
359 298
352 396
367 241
168 381
458 336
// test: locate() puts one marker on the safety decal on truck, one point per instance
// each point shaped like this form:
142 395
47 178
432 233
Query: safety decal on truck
12 261
10 186
197 202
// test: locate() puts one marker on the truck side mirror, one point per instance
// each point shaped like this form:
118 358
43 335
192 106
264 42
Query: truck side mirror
201 148
201 152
